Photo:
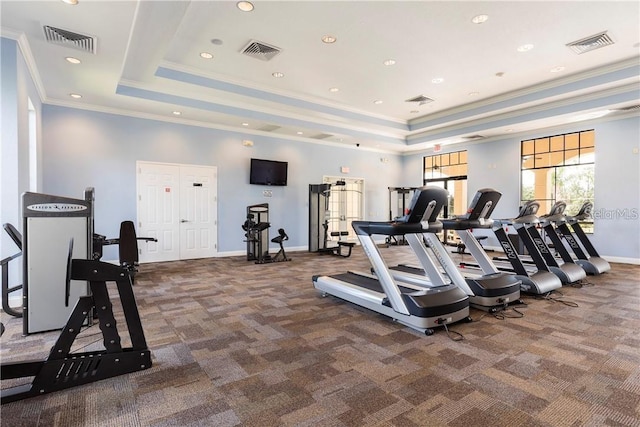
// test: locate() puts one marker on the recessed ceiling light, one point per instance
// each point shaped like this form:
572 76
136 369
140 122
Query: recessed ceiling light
389 62
473 93
206 55
525 48
377 102
75 95
508 130
299 133
177 113
329 39
479 19
556 69
277 75
245 124
437 80
245 6
72 60
334 89
72 2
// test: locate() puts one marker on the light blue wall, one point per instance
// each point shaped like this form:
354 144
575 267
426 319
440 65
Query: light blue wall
496 164
88 149
9 126
16 88
82 149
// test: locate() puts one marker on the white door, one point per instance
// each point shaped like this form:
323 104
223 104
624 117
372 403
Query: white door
184 224
197 212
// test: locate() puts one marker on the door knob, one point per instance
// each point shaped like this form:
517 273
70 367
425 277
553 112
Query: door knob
184 220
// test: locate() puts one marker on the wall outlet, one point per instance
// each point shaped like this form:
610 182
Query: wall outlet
267 193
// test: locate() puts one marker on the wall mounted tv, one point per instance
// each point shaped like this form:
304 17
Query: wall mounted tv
268 172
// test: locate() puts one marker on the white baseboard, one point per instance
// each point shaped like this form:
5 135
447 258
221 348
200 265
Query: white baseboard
271 251
621 260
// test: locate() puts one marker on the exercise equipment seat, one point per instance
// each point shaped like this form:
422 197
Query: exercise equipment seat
281 237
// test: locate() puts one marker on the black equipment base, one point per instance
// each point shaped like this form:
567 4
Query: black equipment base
63 369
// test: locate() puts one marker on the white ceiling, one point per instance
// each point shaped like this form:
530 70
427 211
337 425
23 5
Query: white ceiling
147 64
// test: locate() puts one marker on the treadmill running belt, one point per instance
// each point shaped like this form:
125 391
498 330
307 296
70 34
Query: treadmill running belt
369 282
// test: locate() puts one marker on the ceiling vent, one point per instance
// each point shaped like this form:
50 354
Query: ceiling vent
629 108
269 128
472 137
420 99
591 43
259 50
321 136
70 39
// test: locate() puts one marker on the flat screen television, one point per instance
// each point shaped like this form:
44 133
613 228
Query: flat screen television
268 172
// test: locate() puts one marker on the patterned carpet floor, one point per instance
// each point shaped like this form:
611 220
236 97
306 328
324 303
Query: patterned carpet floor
239 344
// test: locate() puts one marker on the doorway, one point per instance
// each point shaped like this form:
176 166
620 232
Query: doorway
177 204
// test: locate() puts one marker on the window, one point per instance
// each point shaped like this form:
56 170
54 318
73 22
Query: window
559 167
450 172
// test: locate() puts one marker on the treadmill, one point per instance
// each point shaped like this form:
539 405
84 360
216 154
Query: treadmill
491 291
567 270
588 259
418 307
542 280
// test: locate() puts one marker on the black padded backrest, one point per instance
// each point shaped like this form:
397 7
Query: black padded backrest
128 245
14 234
426 204
483 204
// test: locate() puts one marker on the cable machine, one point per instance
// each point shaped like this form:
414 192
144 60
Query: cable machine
320 234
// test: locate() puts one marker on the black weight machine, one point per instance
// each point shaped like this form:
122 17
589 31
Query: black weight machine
63 369
319 223
127 246
6 290
256 228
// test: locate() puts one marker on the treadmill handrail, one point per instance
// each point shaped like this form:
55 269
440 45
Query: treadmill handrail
556 213
395 228
583 214
526 216
425 206
478 214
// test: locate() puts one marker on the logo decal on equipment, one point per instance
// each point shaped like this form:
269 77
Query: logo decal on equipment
56 207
